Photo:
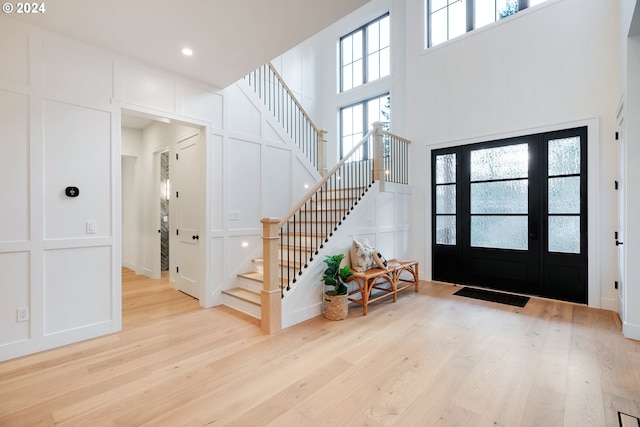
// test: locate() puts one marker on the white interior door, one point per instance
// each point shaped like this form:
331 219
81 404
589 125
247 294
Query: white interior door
620 233
189 201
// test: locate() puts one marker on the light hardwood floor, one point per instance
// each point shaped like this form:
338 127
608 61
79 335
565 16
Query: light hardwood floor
430 359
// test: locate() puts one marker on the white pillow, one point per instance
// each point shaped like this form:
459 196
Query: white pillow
380 260
361 256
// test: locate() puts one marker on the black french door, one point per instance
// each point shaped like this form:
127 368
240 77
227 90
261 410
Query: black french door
512 214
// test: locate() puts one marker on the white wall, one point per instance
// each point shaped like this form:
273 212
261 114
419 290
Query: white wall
545 68
131 150
631 320
61 102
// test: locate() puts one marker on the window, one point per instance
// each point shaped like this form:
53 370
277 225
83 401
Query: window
447 19
365 54
357 119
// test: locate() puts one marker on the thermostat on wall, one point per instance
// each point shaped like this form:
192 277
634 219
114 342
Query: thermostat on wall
72 191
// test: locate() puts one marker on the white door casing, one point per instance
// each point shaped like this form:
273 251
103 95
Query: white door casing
621 188
188 199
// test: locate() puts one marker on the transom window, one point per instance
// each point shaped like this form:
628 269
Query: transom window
447 19
365 54
357 119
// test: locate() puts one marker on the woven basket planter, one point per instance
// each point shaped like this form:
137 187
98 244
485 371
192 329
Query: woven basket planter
336 307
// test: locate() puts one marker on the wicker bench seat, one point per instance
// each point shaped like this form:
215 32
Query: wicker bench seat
398 276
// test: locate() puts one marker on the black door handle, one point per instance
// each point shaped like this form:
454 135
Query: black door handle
196 237
618 243
533 235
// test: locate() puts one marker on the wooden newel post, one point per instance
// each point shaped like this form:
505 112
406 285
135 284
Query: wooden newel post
271 292
378 153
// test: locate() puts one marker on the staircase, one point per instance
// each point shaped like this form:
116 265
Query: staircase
290 244
299 244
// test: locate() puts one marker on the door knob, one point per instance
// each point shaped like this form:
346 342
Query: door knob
533 235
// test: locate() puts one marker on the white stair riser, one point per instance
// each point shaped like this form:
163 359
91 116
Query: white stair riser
253 285
242 306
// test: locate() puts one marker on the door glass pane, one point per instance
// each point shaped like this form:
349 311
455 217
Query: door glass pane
564 234
446 199
446 169
510 161
500 197
502 232
564 195
446 229
564 156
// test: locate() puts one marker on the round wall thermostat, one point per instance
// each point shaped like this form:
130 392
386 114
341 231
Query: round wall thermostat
72 191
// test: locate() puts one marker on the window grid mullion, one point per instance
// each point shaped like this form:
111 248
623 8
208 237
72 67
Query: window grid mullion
365 58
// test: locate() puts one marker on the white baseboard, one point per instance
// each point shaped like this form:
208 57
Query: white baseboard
631 331
129 265
609 304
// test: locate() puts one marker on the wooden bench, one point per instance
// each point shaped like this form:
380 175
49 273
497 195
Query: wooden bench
398 276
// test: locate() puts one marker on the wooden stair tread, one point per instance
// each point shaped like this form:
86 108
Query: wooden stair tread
244 294
253 275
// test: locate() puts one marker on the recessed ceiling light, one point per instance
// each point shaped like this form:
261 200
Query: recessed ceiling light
187 52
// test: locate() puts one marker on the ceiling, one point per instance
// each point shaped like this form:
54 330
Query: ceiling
229 38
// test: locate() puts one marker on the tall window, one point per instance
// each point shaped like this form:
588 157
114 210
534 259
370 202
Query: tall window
357 119
365 54
447 19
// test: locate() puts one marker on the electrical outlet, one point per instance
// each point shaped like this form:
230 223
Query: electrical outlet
91 227
22 314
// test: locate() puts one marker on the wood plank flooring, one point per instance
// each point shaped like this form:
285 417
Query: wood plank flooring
431 359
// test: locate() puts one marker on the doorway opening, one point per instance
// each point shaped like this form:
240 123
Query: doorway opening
163 198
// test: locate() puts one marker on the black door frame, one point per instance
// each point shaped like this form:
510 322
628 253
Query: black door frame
453 263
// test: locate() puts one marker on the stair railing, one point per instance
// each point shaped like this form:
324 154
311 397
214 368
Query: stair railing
274 93
291 243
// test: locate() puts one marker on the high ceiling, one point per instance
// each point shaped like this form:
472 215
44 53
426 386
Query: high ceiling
229 38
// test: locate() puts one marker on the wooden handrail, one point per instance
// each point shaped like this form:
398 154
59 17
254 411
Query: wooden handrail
320 183
279 99
295 100
406 141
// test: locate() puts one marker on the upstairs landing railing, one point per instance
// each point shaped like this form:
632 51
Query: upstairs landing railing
289 244
274 93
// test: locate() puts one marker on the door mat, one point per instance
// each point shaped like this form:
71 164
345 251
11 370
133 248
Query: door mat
499 297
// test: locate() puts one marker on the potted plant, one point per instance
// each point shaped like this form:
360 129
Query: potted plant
336 300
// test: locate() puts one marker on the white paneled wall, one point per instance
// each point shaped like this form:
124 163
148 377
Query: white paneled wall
15 289
78 285
77 152
60 107
14 166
